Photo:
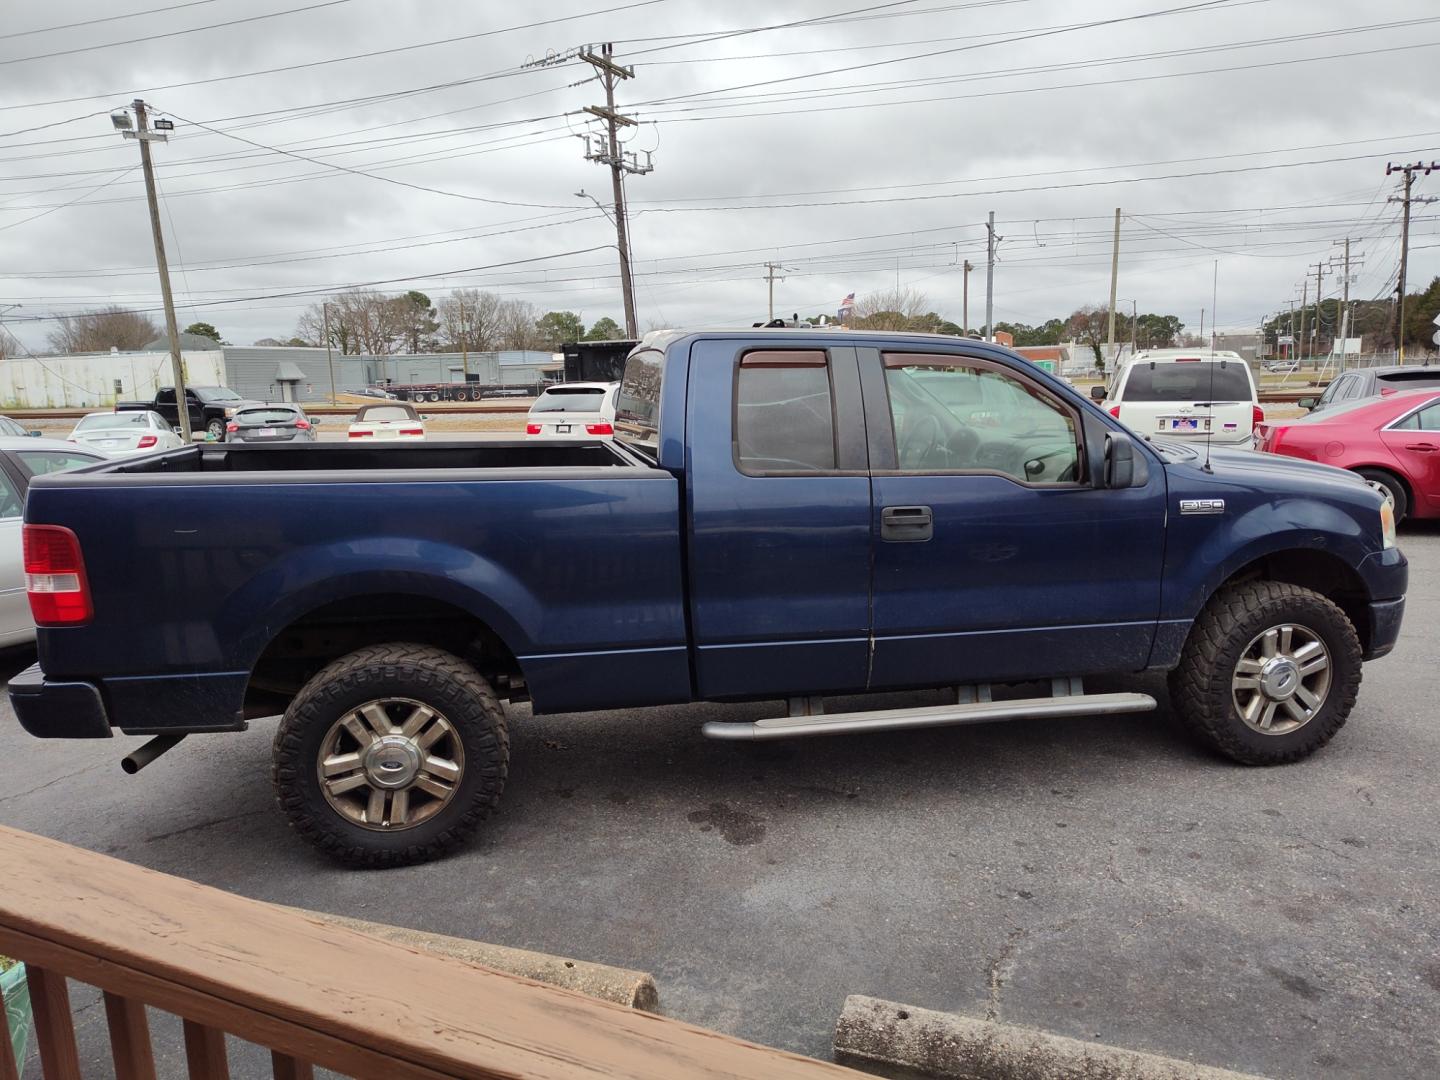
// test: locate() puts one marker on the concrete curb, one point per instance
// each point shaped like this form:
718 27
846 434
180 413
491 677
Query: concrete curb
919 1044
635 989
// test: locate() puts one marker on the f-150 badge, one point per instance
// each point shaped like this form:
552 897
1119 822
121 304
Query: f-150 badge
1202 506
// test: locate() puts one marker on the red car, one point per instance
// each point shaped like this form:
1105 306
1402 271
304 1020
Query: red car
1392 441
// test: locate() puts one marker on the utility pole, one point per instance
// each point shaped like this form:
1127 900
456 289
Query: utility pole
329 360
965 301
606 151
1114 280
1202 327
1319 292
145 137
770 269
990 239
464 339
1291 354
1304 304
1409 171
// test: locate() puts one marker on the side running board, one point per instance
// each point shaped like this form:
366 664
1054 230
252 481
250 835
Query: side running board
977 712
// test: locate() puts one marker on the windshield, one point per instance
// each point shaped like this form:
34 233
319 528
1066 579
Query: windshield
103 421
216 393
1196 380
267 416
570 399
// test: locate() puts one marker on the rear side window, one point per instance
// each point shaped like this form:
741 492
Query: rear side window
637 408
1202 380
570 399
784 412
48 461
1426 419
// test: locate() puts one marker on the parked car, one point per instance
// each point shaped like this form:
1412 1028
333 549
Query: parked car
783 514
282 422
1186 394
1361 383
119 434
1392 441
574 411
392 420
1282 366
23 457
210 407
15 428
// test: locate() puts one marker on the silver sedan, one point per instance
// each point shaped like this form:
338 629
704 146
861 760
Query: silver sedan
120 434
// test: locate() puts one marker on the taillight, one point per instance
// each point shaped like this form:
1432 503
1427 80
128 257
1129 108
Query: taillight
146 441
412 431
1257 415
303 425
602 428
1115 411
532 429
361 434
55 577
232 427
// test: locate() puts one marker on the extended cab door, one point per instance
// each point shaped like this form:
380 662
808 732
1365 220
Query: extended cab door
779 518
996 558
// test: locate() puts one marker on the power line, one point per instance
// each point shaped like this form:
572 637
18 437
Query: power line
104 19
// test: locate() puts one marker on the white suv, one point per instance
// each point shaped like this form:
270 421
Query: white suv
1186 394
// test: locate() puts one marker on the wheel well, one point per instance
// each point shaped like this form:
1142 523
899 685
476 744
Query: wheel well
1397 477
1326 574
327 633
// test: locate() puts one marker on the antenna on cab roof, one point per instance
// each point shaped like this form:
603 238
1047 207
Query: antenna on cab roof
1210 403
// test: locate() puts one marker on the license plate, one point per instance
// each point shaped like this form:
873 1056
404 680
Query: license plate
109 442
386 433
562 429
1183 423
267 432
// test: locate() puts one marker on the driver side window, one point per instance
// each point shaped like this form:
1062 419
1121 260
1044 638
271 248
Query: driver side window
959 414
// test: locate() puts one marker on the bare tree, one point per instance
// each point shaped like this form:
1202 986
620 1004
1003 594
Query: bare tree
516 323
1090 325
890 309
99 331
470 319
10 345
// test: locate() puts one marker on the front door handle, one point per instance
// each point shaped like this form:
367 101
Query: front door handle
906 524
1422 447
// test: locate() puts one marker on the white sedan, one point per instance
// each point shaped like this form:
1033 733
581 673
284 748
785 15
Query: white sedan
120 434
388 421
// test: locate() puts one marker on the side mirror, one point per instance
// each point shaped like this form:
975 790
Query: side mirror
314 421
1119 460
1308 402
424 416
1097 394
35 433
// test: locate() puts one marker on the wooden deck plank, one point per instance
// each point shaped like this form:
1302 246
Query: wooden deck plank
205 1052
129 1038
310 990
54 1027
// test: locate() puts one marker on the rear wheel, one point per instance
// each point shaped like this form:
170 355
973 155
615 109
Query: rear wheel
216 429
1269 674
392 755
1391 487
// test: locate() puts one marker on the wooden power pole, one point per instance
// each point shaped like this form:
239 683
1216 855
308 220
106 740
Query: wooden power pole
1406 199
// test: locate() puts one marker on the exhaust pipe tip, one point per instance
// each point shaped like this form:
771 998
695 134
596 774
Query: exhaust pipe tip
148 752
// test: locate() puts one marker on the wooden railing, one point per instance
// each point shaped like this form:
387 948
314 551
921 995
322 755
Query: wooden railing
311 993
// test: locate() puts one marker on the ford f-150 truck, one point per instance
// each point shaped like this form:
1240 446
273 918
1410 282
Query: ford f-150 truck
787 515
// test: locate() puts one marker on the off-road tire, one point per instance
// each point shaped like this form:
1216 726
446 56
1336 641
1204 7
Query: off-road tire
1200 687
429 675
1399 494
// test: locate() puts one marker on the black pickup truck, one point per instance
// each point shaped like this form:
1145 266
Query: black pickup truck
209 407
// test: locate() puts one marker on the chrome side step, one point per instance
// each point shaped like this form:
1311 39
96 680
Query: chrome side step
976 712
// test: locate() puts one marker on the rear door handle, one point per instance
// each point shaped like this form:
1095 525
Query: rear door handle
906 524
1423 447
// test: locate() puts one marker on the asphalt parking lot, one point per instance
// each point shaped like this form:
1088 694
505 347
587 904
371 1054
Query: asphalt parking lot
1101 878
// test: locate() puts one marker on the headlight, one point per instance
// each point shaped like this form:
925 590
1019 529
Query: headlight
229 413
1387 524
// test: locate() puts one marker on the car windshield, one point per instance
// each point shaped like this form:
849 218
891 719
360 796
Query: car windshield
1191 380
216 393
374 413
272 415
570 399
108 421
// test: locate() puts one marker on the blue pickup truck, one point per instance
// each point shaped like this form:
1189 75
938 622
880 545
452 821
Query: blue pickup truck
783 515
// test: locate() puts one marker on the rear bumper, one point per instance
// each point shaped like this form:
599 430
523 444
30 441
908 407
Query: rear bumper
58 710
1385 618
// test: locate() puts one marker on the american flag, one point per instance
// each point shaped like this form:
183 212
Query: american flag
848 302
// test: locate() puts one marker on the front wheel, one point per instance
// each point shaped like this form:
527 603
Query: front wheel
392 755
1269 674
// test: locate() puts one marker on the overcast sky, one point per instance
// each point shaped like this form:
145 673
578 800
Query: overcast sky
858 147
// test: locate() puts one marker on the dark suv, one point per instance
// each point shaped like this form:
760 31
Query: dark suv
1372 382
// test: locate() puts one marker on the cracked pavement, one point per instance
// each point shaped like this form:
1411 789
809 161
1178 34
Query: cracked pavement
1101 878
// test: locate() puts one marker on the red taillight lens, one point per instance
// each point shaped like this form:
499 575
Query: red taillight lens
532 429
361 434
303 425
146 441
412 431
1257 415
1115 411
232 427
55 577
602 428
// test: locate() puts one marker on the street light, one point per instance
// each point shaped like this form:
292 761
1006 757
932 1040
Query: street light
627 279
